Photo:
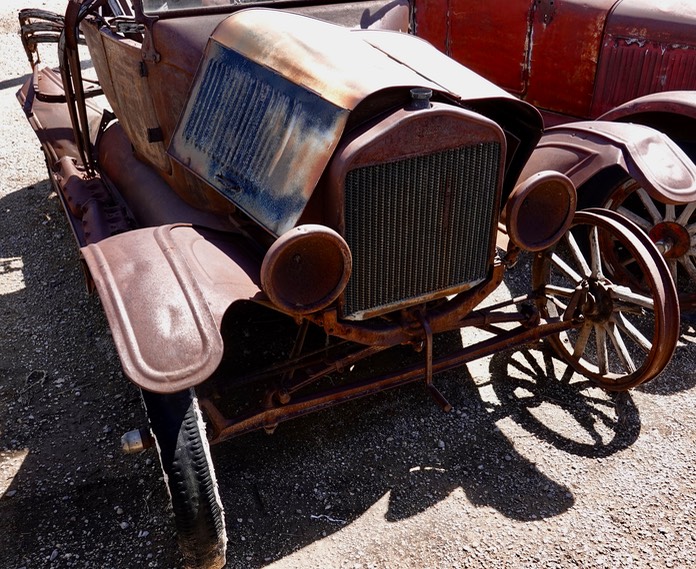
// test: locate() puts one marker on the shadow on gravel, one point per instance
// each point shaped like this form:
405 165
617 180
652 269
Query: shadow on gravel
76 501
319 474
578 418
680 375
68 497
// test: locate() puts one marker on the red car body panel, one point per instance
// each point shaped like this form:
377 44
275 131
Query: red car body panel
575 58
647 48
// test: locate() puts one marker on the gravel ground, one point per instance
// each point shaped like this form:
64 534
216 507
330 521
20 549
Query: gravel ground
528 470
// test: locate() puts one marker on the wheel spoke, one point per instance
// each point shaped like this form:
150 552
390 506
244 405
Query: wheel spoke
617 341
625 294
602 356
670 212
684 216
633 333
581 342
553 290
565 269
650 206
641 222
688 263
672 266
577 254
616 345
595 253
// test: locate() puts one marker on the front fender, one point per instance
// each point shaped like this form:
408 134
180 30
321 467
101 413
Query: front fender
681 103
671 112
165 291
582 150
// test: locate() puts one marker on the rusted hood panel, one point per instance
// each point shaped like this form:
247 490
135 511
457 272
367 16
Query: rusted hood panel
273 96
648 47
670 21
164 292
581 150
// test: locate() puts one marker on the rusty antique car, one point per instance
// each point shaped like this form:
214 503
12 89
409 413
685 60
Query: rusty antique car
322 166
629 61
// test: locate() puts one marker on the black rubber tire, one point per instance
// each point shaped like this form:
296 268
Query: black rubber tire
177 426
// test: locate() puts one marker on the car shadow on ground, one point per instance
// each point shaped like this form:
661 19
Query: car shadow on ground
68 497
319 474
75 497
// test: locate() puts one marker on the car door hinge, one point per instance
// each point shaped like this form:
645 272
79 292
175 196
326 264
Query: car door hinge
545 10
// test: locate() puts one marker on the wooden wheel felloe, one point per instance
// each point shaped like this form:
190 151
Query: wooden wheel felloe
628 330
671 227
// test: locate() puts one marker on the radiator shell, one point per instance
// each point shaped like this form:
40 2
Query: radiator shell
417 198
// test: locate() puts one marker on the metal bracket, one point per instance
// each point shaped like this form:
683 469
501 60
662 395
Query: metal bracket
545 11
435 393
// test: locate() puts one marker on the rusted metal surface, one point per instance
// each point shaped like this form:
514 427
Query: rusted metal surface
306 269
565 42
489 37
671 112
583 149
330 60
119 60
608 347
547 191
149 198
164 292
224 428
543 50
404 254
647 48
323 83
38 27
260 140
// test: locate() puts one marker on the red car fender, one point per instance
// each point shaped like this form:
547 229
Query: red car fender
582 150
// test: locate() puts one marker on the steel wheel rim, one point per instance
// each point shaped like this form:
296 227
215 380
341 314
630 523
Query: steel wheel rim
620 324
659 220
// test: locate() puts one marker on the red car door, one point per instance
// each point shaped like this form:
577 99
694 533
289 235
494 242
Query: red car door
489 37
545 51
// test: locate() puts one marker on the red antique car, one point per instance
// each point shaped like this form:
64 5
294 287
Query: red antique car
346 180
621 60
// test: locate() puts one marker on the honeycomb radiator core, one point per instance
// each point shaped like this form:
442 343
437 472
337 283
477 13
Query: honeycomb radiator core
419 226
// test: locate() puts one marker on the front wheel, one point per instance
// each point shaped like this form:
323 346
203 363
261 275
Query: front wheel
628 333
179 431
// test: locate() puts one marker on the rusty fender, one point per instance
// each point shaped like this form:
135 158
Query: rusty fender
582 150
671 112
165 291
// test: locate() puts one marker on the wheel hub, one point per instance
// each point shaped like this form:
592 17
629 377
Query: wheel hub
598 305
671 238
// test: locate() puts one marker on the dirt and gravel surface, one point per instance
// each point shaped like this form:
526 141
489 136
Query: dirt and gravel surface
527 470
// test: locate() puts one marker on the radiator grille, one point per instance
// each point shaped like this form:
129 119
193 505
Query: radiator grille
419 226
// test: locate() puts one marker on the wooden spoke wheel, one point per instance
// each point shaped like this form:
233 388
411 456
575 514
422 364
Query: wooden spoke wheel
629 329
671 227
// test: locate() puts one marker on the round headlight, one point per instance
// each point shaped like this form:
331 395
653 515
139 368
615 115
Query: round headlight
539 210
306 269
